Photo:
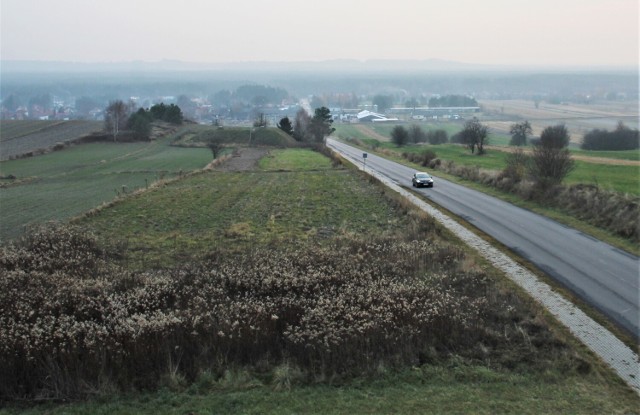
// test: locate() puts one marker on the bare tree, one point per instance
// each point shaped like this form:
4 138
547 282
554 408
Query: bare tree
261 120
519 132
300 125
215 147
399 135
551 161
474 134
416 135
116 118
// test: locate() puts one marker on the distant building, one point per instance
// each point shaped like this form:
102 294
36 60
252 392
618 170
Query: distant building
433 112
369 116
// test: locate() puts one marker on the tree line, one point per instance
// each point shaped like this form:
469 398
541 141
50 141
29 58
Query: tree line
119 117
622 138
549 163
306 128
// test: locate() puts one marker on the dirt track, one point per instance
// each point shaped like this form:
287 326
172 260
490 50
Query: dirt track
243 159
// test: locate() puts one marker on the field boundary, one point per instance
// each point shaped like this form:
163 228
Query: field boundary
587 159
617 355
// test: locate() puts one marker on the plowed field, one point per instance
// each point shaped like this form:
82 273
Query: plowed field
21 137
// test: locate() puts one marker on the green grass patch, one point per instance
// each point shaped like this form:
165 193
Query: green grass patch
624 179
616 155
452 389
294 160
350 131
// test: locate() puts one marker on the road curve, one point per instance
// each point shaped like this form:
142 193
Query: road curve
603 276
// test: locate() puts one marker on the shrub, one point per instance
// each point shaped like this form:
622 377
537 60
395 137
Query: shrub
437 137
551 161
516 165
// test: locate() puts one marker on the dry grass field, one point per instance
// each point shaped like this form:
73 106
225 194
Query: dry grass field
579 118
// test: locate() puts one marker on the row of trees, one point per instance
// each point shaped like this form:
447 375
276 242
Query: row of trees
309 129
549 163
119 117
453 101
384 102
550 160
622 138
414 134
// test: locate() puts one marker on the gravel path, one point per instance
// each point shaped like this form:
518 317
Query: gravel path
616 354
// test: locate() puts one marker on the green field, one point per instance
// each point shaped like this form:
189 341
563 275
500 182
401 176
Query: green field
294 195
617 155
63 184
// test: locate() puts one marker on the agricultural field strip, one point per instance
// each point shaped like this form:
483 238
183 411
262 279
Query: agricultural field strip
12 131
46 138
527 108
585 158
602 342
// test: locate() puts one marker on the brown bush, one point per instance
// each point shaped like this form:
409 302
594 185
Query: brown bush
72 322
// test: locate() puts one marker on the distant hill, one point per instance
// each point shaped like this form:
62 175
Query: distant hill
338 65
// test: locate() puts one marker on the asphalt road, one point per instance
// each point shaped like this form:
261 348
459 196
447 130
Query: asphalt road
603 276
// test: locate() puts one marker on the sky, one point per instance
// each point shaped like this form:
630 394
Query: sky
493 32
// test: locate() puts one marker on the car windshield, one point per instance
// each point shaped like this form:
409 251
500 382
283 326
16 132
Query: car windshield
422 176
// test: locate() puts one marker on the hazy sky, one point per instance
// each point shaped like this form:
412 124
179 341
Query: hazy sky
528 32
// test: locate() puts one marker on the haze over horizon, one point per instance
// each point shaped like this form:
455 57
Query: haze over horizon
493 32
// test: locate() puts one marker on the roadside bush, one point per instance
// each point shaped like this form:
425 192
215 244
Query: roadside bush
425 158
516 166
437 137
609 210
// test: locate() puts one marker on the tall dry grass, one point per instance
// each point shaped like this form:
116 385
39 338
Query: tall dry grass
73 323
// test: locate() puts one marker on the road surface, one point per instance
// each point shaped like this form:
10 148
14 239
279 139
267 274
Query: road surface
603 276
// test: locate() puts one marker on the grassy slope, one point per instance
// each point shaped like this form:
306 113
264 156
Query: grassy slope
60 185
212 202
199 135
